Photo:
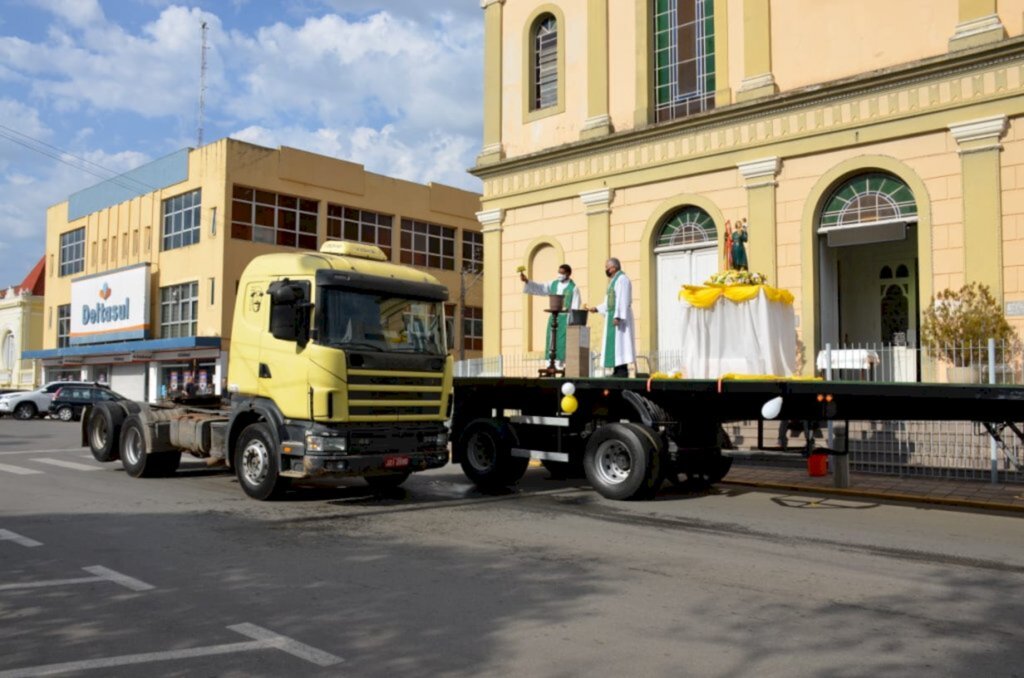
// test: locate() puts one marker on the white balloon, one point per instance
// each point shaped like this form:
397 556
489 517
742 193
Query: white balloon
771 409
568 388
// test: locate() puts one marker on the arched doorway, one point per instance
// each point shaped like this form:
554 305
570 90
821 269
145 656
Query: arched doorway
868 254
686 253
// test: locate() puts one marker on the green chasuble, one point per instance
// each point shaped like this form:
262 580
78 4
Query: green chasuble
609 323
563 320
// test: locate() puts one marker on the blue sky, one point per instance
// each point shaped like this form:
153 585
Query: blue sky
106 85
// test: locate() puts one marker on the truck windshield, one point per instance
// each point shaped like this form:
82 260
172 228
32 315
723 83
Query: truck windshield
359 319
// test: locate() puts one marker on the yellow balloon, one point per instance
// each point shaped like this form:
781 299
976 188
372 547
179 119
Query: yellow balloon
569 404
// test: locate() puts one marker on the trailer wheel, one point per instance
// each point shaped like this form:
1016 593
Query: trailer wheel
388 481
257 463
135 457
103 432
624 461
485 447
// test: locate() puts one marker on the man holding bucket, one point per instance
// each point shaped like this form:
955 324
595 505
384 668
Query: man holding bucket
566 288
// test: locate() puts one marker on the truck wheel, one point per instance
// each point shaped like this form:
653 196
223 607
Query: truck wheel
257 463
25 411
65 413
103 432
485 448
388 481
136 459
624 461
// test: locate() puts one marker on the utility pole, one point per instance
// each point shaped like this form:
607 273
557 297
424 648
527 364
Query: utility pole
202 86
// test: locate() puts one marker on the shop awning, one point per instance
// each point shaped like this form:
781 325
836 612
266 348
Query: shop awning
141 349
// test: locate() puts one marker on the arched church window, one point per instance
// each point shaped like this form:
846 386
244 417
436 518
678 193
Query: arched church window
868 198
688 226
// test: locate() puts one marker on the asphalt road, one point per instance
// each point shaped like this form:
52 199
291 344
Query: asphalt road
104 575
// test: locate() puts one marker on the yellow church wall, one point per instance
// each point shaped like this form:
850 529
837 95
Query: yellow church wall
811 40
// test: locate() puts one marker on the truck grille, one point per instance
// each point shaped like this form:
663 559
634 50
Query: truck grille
378 395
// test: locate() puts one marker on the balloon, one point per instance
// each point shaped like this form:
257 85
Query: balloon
771 409
569 404
568 388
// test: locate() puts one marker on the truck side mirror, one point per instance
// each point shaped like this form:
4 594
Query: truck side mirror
289 311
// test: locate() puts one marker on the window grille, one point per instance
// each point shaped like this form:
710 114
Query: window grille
684 57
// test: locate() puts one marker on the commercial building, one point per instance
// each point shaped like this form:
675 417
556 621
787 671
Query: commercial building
877 154
143 269
21 329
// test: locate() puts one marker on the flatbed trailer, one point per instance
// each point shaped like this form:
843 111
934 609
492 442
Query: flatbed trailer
627 436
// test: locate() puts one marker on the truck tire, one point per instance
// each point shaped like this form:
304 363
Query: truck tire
387 481
710 468
25 411
135 456
103 432
257 463
624 461
485 447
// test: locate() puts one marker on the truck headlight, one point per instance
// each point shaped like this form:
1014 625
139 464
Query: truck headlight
436 440
323 444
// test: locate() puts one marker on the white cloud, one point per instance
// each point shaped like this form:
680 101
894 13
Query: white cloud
75 12
437 157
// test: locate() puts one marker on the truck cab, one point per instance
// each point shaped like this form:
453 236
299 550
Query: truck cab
339 360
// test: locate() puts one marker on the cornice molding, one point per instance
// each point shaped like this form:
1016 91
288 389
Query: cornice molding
491 220
984 128
760 169
597 201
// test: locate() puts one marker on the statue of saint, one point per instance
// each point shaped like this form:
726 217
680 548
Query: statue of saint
736 251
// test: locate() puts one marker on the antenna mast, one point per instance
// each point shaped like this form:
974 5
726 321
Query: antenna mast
202 87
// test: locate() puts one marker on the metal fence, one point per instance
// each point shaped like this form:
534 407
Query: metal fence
957 449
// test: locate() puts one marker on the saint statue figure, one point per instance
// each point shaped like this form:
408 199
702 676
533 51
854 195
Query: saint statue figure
736 251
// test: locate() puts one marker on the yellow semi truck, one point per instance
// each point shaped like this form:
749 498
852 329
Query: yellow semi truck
338 367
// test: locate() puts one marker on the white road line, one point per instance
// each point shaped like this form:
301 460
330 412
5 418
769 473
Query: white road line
264 640
68 464
286 644
98 572
7 535
118 578
18 471
6 453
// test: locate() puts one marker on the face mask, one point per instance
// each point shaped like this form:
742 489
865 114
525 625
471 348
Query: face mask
609 272
562 277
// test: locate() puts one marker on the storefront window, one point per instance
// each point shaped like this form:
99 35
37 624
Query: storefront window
195 378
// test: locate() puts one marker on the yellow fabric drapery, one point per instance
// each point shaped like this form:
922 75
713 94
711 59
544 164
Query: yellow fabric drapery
705 296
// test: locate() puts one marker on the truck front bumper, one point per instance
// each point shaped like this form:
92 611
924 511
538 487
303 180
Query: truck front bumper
356 465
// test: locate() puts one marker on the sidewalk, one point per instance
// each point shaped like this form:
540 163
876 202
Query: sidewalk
789 472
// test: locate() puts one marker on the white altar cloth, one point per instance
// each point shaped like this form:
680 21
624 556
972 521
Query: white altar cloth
757 336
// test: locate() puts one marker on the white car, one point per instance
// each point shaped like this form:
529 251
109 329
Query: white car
30 404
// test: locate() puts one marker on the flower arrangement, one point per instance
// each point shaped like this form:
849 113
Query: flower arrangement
733 277
677 374
520 269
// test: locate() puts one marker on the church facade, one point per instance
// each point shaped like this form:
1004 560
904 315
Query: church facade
877 157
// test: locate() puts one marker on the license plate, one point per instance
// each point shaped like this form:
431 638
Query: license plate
396 462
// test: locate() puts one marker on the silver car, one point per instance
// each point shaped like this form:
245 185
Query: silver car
30 404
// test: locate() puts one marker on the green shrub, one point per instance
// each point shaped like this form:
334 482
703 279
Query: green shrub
957 325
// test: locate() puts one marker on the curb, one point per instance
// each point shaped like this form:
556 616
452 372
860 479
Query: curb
891 496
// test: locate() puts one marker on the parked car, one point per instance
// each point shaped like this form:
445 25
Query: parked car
69 401
30 404
5 391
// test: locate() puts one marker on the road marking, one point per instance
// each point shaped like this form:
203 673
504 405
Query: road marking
13 452
286 644
264 639
18 471
7 535
68 464
98 572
